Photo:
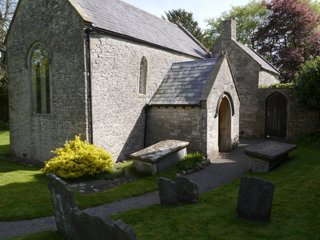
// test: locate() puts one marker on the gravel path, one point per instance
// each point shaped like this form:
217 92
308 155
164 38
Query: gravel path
223 170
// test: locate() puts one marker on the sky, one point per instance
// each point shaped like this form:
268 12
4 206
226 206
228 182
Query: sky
202 9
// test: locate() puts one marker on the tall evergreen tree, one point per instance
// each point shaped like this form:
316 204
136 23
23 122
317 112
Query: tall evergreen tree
186 19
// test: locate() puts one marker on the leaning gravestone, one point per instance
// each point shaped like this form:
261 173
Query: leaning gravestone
79 225
181 191
255 199
63 204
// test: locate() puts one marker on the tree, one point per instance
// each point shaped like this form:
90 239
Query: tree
186 19
7 8
308 84
289 37
249 17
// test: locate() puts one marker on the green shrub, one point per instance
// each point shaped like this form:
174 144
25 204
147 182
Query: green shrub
278 85
119 169
190 161
308 84
79 159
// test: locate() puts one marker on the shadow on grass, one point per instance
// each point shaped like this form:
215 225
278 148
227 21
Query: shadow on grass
24 195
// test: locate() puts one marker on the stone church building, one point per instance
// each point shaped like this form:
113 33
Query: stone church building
125 79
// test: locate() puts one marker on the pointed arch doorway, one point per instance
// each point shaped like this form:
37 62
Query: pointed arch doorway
225 123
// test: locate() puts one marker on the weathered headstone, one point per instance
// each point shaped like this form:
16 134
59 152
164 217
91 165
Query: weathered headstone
255 199
79 225
123 231
167 191
63 203
91 227
181 191
187 190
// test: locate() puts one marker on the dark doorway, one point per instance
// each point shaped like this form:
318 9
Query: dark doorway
276 115
225 114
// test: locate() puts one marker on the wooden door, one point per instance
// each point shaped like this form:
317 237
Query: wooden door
276 115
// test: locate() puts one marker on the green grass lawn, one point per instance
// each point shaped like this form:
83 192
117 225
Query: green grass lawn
4 144
295 214
24 193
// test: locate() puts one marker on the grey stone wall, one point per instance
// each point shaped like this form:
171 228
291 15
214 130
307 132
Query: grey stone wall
59 28
197 125
246 75
300 120
118 115
267 79
178 123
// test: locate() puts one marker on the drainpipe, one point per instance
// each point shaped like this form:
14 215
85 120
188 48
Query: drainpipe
89 84
146 110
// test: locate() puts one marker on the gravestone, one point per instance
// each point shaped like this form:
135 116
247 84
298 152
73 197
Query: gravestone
255 199
187 190
167 191
79 225
63 204
123 231
91 227
181 191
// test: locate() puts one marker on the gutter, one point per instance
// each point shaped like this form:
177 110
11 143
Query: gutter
89 83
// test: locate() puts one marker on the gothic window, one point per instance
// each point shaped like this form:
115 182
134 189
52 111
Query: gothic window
143 76
40 80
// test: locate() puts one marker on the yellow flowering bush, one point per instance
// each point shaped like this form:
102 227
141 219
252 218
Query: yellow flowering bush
78 159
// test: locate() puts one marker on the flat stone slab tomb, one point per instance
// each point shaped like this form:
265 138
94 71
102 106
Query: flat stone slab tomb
267 155
160 156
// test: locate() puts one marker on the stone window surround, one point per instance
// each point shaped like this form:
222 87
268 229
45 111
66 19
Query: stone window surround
34 46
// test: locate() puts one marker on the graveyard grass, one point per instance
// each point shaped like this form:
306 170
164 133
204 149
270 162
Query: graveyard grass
295 214
24 192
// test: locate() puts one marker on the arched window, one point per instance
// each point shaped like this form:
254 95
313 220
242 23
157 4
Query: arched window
143 76
40 79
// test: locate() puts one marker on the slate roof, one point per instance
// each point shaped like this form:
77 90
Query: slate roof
184 83
263 63
119 17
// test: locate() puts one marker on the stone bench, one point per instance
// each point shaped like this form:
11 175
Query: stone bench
267 155
160 156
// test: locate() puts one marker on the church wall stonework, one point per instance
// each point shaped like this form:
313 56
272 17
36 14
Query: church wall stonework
197 125
117 107
267 79
223 84
59 28
248 75
178 123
